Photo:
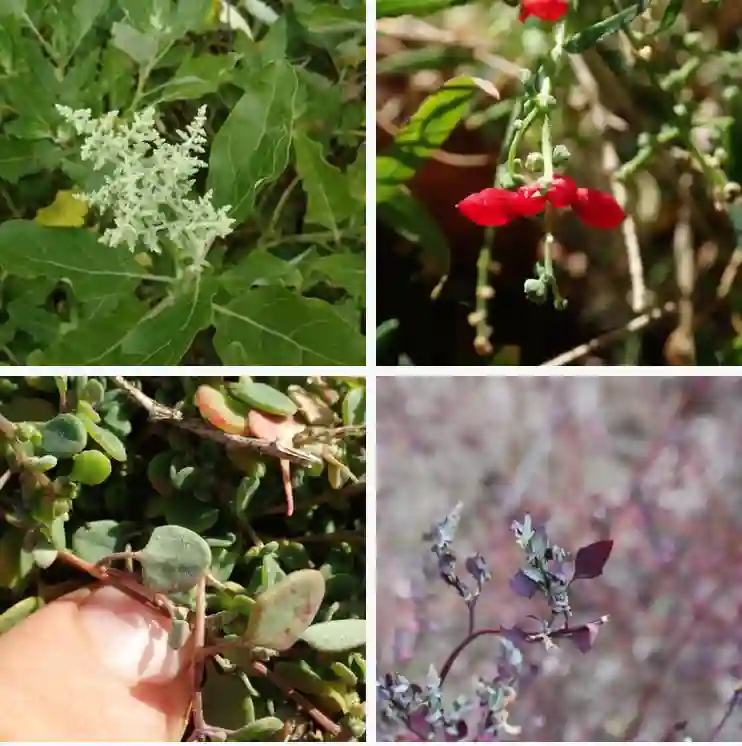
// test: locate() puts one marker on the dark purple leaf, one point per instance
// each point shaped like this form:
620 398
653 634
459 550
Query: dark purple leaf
523 585
584 637
418 722
591 559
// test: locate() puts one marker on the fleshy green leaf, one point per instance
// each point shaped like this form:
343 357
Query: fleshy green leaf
97 539
91 467
262 397
336 636
64 436
284 611
106 440
259 730
174 559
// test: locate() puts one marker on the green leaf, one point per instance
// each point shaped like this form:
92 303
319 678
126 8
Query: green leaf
95 271
187 511
197 77
252 146
425 132
597 32
346 271
336 636
19 158
272 326
260 268
388 8
283 612
262 397
95 540
64 436
91 467
174 559
411 220
18 612
142 48
262 729
672 11
329 201
354 407
106 440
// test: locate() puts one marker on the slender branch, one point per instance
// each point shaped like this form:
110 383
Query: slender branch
462 646
731 706
161 413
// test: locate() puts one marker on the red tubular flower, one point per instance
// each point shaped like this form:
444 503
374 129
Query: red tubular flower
490 207
496 207
598 209
546 10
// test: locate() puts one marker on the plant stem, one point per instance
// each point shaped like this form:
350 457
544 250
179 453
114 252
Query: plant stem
462 646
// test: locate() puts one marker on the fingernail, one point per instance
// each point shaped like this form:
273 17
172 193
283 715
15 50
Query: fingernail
130 638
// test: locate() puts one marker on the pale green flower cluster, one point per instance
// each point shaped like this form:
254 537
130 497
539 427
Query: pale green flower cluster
149 181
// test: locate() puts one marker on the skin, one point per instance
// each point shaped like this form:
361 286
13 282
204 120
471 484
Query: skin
56 683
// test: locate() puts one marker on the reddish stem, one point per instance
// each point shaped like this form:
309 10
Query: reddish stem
464 644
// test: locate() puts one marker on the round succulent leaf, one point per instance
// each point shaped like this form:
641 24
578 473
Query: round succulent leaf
262 397
85 410
97 539
226 701
63 436
41 463
336 636
262 729
284 611
106 440
174 559
93 391
223 412
91 467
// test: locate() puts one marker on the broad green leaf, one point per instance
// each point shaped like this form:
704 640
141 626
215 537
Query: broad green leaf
252 146
19 158
329 201
411 219
174 559
130 333
29 250
64 436
259 268
274 326
330 18
590 36
196 77
97 539
185 510
142 48
336 636
425 132
285 610
346 271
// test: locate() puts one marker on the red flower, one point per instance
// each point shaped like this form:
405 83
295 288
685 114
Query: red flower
497 207
546 10
597 209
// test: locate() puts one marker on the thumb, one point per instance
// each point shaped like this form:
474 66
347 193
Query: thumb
93 666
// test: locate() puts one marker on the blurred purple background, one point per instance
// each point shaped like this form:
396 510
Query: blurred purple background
654 463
